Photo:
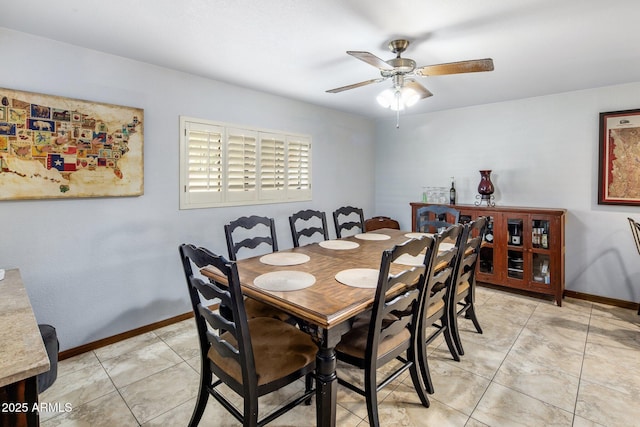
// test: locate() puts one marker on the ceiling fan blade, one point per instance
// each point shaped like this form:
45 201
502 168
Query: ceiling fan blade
471 66
355 85
370 59
421 90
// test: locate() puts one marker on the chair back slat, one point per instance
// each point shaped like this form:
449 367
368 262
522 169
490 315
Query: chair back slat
348 222
210 290
401 305
262 231
217 322
307 223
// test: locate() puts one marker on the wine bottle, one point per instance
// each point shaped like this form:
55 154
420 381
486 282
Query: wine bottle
545 237
489 235
452 193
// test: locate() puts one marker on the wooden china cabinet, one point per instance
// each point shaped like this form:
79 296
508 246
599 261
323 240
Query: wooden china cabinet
524 247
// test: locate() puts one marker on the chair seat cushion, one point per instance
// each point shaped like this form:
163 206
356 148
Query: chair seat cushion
354 342
255 308
279 349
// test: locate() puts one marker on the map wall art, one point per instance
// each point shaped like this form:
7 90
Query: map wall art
619 175
56 147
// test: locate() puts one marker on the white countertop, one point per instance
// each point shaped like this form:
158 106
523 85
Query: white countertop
22 353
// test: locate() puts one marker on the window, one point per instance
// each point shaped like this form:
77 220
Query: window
224 165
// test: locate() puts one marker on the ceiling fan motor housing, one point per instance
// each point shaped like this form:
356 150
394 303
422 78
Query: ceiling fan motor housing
400 66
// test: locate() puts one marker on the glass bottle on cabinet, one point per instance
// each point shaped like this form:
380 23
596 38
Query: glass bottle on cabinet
486 250
540 233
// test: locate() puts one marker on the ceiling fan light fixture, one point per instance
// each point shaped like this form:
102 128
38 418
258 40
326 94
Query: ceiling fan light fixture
386 98
410 96
397 99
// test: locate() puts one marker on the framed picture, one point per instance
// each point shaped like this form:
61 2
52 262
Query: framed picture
619 174
57 147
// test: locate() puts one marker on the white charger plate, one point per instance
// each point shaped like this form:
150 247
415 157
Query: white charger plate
339 245
284 280
359 277
418 235
413 261
372 236
284 258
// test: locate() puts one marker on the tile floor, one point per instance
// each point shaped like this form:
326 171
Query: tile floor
535 365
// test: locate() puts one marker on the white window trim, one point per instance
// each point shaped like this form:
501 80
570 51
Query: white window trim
288 166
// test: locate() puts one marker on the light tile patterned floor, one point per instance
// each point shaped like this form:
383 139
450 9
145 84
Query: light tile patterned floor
535 365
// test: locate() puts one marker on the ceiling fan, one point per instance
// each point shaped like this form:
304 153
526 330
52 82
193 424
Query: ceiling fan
406 90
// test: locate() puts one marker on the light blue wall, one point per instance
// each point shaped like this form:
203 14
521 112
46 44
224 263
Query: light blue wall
543 152
98 267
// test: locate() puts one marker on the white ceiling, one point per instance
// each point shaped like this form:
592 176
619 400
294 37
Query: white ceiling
296 48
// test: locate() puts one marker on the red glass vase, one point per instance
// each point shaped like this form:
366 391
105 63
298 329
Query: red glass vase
486 186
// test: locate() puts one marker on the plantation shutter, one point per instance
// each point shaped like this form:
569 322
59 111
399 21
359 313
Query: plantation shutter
228 165
298 167
272 166
241 164
204 174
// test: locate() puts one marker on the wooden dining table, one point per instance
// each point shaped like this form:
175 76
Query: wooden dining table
327 306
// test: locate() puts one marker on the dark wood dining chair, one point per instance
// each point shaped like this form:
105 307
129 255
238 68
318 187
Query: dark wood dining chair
465 278
436 319
254 235
388 331
378 222
433 218
309 225
635 230
253 232
253 357
348 218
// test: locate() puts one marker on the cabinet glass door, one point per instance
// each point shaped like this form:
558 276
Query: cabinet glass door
541 256
540 233
486 261
541 271
515 253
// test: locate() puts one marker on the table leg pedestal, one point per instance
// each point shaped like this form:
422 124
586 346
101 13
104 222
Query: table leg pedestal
326 387
20 399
